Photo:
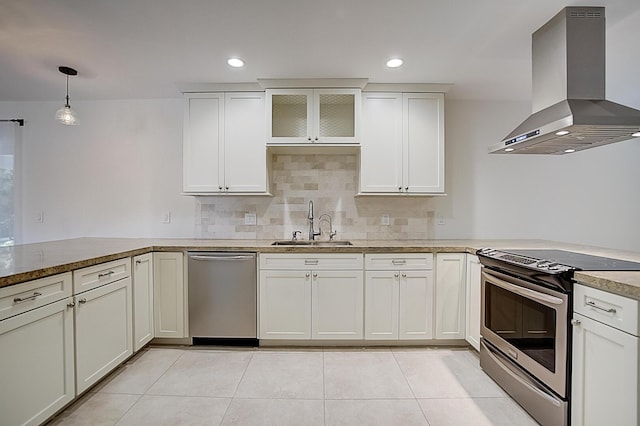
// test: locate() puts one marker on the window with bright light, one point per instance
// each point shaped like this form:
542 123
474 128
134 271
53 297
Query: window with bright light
7 184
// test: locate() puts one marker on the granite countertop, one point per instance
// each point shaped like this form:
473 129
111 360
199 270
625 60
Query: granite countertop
31 261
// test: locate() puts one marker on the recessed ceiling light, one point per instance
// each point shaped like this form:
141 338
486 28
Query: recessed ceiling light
636 135
235 62
508 149
394 63
562 133
570 150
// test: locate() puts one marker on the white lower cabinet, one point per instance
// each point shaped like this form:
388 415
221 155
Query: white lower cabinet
309 296
336 304
169 296
103 331
605 360
398 296
36 354
285 304
450 295
473 301
142 272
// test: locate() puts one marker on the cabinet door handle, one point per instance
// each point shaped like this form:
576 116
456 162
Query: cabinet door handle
24 299
309 138
219 188
607 310
83 300
226 188
400 189
315 275
316 139
395 275
406 189
307 275
106 274
138 262
575 322
71 304
404 275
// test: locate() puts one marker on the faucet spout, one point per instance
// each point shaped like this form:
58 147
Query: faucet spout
312 232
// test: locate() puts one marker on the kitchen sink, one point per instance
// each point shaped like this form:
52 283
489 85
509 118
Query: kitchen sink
306 243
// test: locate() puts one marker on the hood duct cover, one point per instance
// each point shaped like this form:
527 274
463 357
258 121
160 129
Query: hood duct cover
570 112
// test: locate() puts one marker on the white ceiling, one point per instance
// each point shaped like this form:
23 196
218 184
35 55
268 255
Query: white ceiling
143 48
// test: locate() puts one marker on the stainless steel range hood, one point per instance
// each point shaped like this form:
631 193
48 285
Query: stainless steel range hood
570 112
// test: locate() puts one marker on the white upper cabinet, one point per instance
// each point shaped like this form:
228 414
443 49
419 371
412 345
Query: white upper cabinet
304 116
224 146
402 144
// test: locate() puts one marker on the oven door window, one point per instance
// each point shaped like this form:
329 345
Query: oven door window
524 323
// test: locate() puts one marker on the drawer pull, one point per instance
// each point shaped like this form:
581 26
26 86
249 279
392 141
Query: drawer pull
399 261
311 261
24 299
106 274
607 310
83 300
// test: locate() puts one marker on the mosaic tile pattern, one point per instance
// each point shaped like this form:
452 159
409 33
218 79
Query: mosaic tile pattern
331 181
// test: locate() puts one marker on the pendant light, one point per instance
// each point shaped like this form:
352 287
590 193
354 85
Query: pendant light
66 115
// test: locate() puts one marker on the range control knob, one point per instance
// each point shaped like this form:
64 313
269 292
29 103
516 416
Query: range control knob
542 263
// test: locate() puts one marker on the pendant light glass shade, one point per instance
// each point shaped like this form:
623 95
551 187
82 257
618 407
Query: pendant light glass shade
66 115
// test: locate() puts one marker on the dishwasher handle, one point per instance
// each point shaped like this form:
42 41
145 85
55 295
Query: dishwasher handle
207 257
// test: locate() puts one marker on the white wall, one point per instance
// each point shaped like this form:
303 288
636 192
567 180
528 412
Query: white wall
120 169
588 197
115 174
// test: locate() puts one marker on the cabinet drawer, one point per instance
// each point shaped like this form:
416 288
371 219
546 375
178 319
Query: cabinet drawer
617 311
307 261
23 297
97 275
399 261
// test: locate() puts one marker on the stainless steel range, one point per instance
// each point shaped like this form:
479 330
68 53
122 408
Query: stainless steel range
525 331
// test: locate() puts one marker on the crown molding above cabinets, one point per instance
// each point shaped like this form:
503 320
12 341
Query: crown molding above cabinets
312 83
408 87
218 87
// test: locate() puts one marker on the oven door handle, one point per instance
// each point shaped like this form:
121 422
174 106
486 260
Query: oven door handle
522 291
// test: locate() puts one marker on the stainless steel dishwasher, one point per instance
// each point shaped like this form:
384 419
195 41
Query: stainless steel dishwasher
222 298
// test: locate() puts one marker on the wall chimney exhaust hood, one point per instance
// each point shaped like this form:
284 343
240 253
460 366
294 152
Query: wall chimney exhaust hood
570 112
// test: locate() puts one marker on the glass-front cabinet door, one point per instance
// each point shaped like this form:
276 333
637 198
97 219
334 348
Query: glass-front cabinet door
304 116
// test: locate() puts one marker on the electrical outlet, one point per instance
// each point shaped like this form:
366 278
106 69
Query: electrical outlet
440 220
250 219
384 220
40 217
166 218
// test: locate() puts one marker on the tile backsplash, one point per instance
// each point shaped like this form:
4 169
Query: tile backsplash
331 181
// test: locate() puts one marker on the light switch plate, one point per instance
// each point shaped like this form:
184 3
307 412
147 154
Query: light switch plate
384 220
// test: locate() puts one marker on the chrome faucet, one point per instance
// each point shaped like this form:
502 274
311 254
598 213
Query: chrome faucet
312 232
327 218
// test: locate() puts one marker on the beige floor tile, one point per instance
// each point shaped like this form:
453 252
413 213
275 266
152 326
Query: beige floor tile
138 374
477 412
363 375
389 412
203 373
96 409
281 412
446 374
175 410
283 375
